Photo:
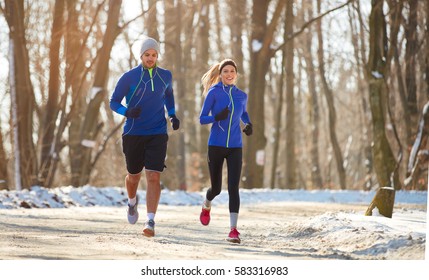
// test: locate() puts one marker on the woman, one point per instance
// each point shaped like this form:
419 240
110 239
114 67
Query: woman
224 106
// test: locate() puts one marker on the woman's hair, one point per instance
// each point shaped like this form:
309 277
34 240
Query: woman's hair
212 77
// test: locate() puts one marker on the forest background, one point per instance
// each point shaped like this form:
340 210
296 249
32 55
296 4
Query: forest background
338 90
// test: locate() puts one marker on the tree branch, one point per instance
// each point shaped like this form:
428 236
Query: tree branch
308 23
273 24
121 28
103 146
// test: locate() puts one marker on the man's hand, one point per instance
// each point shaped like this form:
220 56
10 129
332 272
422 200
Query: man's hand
175 123
133 112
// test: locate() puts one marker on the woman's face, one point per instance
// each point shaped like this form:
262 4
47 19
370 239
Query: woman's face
228 75
149 58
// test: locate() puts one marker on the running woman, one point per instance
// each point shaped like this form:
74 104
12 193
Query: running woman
147 89
224 107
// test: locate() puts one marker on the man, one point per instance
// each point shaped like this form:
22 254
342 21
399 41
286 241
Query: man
147 89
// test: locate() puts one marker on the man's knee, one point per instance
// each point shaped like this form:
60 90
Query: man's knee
133 178
153 177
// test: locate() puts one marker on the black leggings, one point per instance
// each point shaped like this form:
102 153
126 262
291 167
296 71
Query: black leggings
233 156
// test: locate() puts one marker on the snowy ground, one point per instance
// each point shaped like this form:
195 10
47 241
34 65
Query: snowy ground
277 227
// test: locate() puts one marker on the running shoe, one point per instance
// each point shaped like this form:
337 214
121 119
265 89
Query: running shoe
149 228
205 215
133 213
234 236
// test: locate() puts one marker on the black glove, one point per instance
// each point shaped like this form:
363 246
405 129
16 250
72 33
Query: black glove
133 112
175 123
248 129
222 115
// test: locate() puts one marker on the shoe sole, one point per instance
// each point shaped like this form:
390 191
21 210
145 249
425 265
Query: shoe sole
148 232
234 240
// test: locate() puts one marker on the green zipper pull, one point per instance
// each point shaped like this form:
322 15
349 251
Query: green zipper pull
151 80
230 118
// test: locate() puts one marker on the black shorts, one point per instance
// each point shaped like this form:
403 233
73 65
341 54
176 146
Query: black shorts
145 151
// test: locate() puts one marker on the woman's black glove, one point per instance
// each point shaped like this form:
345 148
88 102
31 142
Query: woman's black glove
248 129
175 123
133 112
222 115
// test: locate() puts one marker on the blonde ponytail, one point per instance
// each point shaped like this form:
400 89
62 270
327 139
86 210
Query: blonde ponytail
210 78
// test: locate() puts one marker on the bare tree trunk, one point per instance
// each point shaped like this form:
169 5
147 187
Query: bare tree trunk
365 157
419 156
4 180
331 107
261 53
173 58
291 174
427 51
203 57
410 65
316 176
51 111
25 98
152 20
236 23
188 103
74 78
218 27
90 126
278 122
384 161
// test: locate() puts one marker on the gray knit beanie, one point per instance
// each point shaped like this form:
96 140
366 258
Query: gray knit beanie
149 43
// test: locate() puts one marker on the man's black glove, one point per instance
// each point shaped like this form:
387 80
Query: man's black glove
248 129
133 112
175 123
222 115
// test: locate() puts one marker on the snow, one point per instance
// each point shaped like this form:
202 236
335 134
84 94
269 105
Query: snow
408 227
68 196
256 46
377 74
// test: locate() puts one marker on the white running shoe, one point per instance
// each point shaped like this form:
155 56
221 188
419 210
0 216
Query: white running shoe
149 228
133 213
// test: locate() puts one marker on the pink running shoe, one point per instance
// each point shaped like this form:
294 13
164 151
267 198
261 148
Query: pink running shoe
234 236
205 216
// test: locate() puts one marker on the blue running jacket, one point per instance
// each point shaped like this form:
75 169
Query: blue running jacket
225 133
149 89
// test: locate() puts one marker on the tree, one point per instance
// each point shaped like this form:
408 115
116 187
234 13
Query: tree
419 156
3 164
174 60
203 48
51 109
261 53
358 40
25 100
291 181
327 91
90 127
384 161
316 176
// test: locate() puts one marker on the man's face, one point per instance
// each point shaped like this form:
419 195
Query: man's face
149 58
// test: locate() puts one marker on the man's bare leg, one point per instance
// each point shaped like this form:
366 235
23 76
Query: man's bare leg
153 193
132 183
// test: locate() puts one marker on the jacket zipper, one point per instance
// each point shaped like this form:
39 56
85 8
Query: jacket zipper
230 118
